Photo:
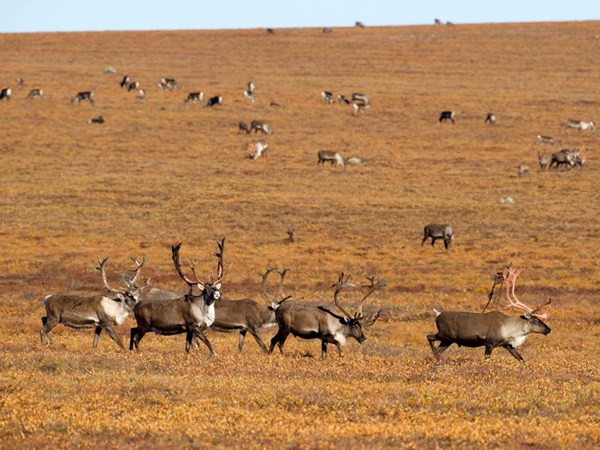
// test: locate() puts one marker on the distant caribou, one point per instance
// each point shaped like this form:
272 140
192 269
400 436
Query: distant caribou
256 149
262 126
83 95
446 116
547 140
194 97
327 97
97 120
360 102
579 125
435 231
168 84
489 330
35 93
490 118
569 158
5 93
331 157
217 100
243 127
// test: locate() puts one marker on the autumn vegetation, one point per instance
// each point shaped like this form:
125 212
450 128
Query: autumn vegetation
160 171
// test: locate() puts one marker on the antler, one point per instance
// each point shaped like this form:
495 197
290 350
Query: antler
371 319
100 267
219 255
264 282
175 254
510 281
375 283
282 274
137 271
342 283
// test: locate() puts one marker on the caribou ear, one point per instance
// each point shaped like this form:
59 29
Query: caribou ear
338 317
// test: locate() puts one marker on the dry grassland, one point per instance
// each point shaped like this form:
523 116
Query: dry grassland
160 171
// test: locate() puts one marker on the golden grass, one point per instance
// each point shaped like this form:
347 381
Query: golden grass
160 171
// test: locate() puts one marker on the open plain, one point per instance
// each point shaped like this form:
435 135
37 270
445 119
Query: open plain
160 171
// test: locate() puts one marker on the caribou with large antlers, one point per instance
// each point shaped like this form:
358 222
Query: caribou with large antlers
100 312
492 329
318 322
191 313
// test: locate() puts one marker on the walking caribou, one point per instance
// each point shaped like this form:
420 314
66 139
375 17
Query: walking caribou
489 330
100 312
190 313
331 157
319 322
435 231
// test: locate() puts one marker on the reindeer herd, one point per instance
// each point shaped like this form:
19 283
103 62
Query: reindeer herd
202 307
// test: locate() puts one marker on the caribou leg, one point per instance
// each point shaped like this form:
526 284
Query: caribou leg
97 332
258 338
513 351
241 338
114 336
49 323
200 335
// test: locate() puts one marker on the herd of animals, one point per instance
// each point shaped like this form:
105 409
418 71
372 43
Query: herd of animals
201 307
570 158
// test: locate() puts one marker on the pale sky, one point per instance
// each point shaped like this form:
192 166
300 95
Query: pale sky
100 15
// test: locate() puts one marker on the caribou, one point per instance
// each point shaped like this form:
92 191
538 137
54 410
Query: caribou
262 126
190 313
256 149
168 84
570 158
446 116
319 322
217 100
360 102
97 119
100 312
5 93
543 161
83 95
125 81
247 315
492 329
547 140
579 125
243 127
35 93
331 157
194 97
490 118
435 231
327 97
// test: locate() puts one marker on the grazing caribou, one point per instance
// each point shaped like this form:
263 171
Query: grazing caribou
331 157
256 149
100 312
35 93
570 158
168 84
446 116
190 313
83 95
249 91
262 126
326 30
523 169
217 100
5 93
489 330
319 322
125 81
141 94
354 160
133 86
543 161
194 97
547 140
327 97
360 102
579 125
98 119
436 232
359 24
243 127
490 118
